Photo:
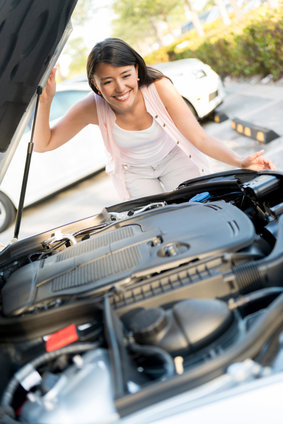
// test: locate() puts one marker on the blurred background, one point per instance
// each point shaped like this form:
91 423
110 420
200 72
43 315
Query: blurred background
235 37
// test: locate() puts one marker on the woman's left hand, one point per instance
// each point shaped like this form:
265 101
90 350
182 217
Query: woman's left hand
257 162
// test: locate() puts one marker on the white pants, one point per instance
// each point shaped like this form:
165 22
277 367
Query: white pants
163 176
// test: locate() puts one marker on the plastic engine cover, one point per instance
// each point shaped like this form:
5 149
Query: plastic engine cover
152 242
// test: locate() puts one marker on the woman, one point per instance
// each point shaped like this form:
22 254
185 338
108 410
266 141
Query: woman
153 141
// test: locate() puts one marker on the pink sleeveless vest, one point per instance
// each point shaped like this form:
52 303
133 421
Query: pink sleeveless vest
155 107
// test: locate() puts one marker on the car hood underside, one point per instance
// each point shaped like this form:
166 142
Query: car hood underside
31 34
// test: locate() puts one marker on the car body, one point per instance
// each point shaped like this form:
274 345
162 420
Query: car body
162 309
198 84
70 161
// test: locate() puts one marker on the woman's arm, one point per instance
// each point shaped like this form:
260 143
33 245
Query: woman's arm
190 128
78 117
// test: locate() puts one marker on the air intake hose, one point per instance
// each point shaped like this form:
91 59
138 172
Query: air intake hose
267 272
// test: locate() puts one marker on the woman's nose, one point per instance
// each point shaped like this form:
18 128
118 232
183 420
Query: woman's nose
120 86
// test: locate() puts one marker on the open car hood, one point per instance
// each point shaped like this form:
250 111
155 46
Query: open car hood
32 35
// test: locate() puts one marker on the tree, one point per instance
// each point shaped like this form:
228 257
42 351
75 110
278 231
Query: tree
195 19
75 48
145 34
145 16
84 11
237 10
223 12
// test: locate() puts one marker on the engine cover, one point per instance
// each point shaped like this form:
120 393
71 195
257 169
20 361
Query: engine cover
155 241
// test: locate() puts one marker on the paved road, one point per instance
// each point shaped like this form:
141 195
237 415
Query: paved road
258 104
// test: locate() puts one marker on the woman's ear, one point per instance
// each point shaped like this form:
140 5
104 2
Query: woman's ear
137 69
93 82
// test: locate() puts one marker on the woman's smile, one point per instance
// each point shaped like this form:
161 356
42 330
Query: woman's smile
123 97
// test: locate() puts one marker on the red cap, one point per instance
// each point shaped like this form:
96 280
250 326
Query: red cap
62 338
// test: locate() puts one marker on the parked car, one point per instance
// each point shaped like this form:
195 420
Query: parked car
163 309
55 170
198 84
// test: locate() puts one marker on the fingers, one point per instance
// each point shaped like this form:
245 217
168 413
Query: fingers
257 154
53 72
50 88
257 162
252 159
268 164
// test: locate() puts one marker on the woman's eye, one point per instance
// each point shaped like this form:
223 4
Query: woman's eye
107 82
127 76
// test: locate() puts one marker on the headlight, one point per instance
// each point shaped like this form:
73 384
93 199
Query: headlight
199 73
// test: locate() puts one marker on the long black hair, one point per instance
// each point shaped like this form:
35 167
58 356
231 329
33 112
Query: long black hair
118 53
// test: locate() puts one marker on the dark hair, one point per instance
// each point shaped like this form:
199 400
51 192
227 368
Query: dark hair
117 52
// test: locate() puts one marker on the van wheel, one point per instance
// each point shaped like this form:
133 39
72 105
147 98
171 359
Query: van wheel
192 109
7 212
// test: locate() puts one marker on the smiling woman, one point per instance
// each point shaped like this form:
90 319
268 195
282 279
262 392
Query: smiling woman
154 142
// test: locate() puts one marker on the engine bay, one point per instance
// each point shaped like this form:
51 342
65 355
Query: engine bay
157 296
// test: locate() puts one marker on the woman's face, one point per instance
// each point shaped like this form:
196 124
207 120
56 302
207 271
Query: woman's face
118 85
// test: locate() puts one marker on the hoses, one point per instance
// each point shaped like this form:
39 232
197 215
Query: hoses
253 276
252 297
147 350
41 360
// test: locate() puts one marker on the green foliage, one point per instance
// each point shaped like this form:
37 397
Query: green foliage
140 19
208 5
75 47
77 50
84 11
253 46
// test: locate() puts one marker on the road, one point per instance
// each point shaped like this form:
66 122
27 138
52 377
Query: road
256 103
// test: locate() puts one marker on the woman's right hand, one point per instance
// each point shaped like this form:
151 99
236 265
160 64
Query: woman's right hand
49 90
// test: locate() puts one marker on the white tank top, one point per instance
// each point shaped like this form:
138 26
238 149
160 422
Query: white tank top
145 147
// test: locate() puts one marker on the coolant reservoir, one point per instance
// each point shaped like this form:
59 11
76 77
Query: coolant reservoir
186 328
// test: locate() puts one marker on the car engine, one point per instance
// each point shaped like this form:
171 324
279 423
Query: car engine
152 297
